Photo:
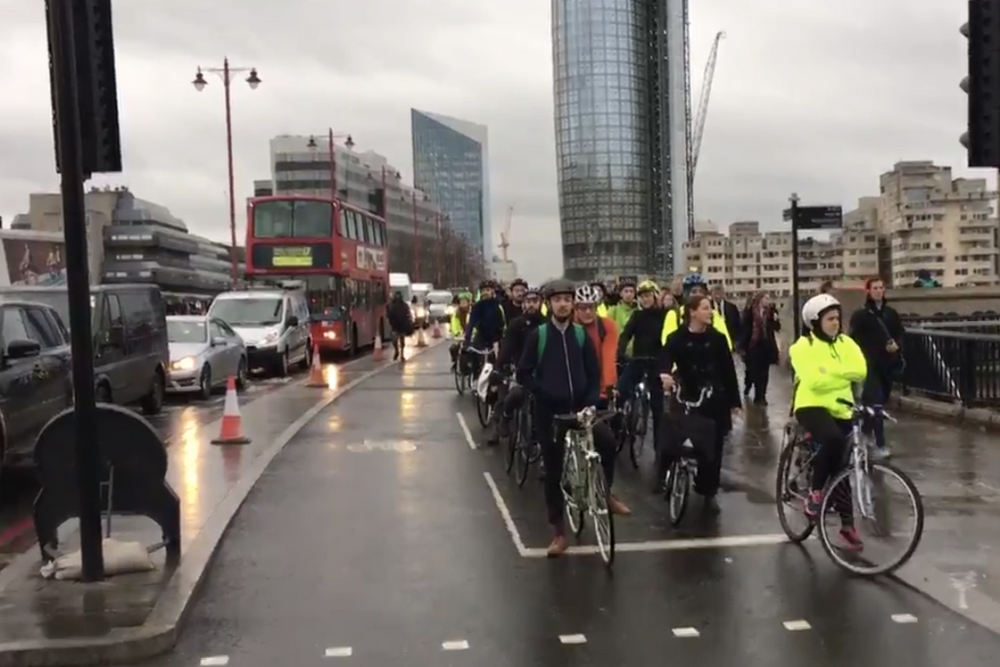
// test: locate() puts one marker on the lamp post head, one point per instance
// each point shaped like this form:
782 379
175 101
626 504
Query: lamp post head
199 82
253 80
349 143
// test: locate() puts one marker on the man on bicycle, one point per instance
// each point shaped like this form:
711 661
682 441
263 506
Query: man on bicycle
486 321
639 349
457 325
560 368
511 350
513 305
827 366
626 306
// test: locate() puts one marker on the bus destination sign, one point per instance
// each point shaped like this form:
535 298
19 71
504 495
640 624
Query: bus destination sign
312 256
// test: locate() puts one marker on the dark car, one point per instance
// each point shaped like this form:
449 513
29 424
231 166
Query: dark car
35 377
131 347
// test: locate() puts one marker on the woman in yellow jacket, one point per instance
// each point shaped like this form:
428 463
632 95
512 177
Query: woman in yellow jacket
694 285
827 364
459 320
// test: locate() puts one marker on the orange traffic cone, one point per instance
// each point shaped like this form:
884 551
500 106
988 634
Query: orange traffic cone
232 423
316 378
377 353
421 341
437 330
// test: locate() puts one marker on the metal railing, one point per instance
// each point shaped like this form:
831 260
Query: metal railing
950 365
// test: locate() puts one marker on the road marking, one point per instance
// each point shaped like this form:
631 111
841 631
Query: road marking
215 661
339 652
686 632
468 434
730 542
508 520
456 645
904 618
573 639
796 626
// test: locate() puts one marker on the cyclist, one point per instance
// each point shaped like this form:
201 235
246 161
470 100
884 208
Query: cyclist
486 321
639 348
697 357
602 333
511 350
513 304
827 364
602 306
694 285
459 320
627 305
561 370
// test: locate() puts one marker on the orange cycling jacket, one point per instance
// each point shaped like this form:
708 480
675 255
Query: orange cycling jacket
607 349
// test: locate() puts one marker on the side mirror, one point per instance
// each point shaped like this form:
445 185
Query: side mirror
219 341
292 321
23 348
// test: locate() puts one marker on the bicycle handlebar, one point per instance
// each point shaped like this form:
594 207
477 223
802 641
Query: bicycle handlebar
866 410
706 393
585 418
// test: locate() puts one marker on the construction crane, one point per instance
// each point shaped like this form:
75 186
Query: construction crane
505 234
698 128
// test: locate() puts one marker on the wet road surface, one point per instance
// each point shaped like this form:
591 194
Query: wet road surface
181 415
378 537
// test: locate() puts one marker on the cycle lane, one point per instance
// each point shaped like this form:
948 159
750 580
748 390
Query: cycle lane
377 538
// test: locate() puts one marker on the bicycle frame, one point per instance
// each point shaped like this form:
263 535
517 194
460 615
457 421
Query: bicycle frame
581 440
859 457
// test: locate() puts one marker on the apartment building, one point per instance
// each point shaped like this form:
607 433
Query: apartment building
922 219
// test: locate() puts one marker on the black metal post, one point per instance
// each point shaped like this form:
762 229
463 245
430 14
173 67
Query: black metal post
88 465
796 308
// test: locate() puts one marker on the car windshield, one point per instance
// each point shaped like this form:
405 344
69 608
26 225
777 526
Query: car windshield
54 298
179 331
263 311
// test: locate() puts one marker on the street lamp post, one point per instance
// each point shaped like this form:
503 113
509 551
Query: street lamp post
199 83
416 239
333 155
437 250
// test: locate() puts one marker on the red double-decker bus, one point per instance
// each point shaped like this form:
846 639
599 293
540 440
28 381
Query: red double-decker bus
338 251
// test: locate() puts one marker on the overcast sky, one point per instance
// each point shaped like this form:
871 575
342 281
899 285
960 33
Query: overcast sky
812 97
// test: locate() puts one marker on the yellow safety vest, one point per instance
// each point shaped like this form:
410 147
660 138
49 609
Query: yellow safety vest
672 321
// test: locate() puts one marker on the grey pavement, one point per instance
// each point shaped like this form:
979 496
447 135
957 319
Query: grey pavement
384 534
51 622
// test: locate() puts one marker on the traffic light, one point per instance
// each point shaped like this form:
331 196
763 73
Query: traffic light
97 88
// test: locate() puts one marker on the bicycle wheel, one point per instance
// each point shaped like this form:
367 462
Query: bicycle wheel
792 486
678 488
872 506
483 410
525 447
600 513
459 379
512 443
638 440
573 480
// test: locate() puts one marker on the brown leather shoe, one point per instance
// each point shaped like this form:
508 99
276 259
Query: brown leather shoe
618 507
558 546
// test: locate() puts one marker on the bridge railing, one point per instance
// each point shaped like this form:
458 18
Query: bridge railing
950 365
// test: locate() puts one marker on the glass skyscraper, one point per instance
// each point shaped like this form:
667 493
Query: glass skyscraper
450 164
621 115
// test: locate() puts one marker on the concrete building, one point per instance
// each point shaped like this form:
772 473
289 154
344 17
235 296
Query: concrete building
923 219
621 113
135 240
451 164
420 242
504 271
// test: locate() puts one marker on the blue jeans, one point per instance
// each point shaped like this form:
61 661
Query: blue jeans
877 389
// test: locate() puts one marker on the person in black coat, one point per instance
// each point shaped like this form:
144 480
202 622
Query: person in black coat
400 317
759 345
697 357
730 313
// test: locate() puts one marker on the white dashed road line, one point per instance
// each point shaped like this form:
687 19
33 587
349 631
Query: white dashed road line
455 645
797 626
215 661
573 639
338 652
904 618
686 632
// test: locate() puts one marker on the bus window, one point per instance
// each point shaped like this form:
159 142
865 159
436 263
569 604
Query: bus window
381 234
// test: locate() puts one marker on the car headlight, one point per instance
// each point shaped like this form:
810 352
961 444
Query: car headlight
269 338
185 364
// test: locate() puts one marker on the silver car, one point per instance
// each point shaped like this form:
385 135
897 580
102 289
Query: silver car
204 352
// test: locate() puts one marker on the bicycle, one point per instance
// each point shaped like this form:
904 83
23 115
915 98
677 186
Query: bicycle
684 467
522 446
859 479
635 411
585 489
463 379
481 390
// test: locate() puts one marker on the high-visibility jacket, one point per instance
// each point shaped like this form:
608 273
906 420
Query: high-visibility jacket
603 310
826 373
672 321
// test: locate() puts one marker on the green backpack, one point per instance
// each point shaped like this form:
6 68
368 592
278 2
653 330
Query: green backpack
543 337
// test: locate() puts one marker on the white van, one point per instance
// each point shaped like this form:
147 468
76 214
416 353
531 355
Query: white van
274 324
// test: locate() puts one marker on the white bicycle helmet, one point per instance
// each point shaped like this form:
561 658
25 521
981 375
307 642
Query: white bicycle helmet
814 308
587 294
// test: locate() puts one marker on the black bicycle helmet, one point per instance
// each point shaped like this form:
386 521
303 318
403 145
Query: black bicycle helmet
518 281
559 286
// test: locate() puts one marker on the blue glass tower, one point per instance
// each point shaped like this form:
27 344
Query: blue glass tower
450 164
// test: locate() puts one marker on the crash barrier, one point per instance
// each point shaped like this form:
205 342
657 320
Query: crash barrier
133 459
